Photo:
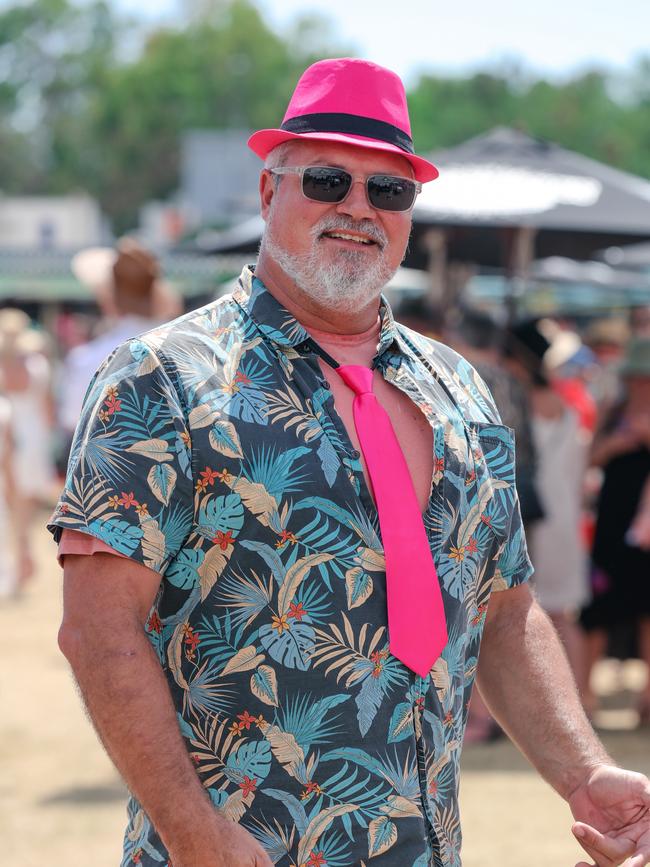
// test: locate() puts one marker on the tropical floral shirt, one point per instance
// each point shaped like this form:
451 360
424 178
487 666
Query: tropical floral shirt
210 450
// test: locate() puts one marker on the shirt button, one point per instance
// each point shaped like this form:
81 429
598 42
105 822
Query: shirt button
356 455
325 384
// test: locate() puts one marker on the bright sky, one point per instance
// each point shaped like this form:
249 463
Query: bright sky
555 37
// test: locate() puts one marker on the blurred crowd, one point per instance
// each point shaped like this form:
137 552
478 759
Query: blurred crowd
576 395
44 374
578 400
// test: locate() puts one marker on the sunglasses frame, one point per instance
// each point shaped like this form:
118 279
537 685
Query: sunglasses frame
300 170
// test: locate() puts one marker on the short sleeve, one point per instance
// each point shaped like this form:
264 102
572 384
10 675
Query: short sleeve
497 447
74 542
129 481
513 564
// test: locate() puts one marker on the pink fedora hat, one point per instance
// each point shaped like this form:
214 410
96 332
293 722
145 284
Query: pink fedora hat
351 101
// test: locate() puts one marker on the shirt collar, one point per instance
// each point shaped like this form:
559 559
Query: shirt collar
388 335
281 327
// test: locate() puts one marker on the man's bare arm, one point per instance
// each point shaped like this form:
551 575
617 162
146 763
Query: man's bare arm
106 602
526 682
525 679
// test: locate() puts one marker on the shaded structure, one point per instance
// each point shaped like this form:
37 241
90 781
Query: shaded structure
560 269
509 182
632 256
505 198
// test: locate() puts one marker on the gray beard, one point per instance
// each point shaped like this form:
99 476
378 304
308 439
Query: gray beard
347 283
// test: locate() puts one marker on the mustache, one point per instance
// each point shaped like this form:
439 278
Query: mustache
340 223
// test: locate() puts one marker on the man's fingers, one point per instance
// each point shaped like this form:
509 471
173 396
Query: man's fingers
605 851
599 859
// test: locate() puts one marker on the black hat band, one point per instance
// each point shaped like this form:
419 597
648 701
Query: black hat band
351 124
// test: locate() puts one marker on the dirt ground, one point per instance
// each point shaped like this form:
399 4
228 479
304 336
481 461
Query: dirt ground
63 805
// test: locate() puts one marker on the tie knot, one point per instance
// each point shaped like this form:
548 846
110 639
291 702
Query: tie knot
356 377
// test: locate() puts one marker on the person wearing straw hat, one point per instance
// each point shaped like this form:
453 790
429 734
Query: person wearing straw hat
284 519
25 382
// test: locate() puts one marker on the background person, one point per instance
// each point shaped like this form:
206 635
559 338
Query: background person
555 541
132 298
25 381
15 563
478 338
621 560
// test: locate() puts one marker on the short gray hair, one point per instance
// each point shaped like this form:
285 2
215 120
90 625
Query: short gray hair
278 157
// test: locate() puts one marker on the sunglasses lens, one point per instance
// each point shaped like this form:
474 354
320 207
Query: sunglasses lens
324 184
391 194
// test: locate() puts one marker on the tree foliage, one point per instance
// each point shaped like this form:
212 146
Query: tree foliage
580 114
87 104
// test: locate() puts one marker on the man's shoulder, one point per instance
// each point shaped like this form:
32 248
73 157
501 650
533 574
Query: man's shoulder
202 337
207 329
461 379
434 351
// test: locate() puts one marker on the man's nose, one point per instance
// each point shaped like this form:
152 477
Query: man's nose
356 203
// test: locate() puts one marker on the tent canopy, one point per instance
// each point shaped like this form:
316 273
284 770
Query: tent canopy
505 177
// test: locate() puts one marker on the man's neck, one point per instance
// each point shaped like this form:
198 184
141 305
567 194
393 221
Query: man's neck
307 310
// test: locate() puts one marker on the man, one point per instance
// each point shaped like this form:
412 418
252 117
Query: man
217 469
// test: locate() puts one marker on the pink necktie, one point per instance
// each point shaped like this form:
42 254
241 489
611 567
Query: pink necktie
416 616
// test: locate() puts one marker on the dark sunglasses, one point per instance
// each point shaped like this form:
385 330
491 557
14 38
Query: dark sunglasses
331 185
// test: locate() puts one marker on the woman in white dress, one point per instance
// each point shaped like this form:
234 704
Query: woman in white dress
25 381
15 560
557 550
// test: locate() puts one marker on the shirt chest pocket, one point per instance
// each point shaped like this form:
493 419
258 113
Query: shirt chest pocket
475 501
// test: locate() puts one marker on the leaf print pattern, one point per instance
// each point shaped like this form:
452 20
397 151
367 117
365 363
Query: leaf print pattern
209 451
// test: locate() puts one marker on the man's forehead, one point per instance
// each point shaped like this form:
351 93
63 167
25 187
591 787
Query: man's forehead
366 160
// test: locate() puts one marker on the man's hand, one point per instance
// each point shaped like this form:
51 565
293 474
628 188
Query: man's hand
226 844
526 682
612 809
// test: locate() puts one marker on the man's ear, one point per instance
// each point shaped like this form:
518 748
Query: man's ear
267 191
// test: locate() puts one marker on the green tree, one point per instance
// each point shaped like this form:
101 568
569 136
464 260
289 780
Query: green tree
580 114
54 55
78 111
218 71
446 111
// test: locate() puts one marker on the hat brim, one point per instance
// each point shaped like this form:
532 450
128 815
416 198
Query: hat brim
265 140
94 266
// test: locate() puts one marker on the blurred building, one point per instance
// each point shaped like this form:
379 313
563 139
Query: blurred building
219 177
51 222
162 225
